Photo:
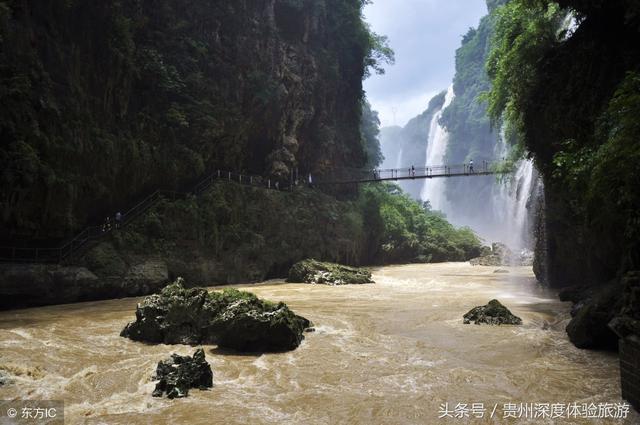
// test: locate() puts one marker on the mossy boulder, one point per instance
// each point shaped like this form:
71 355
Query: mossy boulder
178 374
313 271
231 319
494 313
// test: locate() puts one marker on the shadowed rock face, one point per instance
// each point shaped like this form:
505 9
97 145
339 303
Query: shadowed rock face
178 374
493 313
231 319
312 271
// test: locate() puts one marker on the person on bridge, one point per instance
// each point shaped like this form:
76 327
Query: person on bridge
413 171
471 165
106 226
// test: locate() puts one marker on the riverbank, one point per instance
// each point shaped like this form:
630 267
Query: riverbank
391 352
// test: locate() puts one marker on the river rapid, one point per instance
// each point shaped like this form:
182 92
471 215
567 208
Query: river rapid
389 353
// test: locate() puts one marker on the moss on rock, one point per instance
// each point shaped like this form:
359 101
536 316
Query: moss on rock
231 319
313 271
494 313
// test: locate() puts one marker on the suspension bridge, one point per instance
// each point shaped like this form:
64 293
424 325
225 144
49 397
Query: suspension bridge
357 176
73 247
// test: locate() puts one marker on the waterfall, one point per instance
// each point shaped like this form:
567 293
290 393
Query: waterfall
433 189
399 159
518 218
511 201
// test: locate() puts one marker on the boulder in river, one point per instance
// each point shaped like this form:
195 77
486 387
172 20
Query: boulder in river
178 374
313 271
231 319
494 313
4 379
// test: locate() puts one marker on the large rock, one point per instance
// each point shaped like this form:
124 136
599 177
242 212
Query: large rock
589 326
105 261
312 271
493 313
178 374
26 285
231 319
146 277
627 322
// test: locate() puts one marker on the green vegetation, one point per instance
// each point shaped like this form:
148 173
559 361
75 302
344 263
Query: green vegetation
466 120
524 32
370 131
235 233
103 102
573 100
406 230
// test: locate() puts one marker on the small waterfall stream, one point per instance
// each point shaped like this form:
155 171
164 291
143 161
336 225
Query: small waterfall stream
512 198
433 189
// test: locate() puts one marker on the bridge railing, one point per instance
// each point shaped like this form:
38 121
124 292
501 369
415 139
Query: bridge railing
355 175
75 246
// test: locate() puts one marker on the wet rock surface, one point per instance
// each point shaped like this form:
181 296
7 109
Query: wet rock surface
178 374
627 322
312 271
231 319
4 379
591 316
28 285
494 313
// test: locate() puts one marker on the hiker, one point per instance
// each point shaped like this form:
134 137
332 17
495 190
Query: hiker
106 226
118 219
471 165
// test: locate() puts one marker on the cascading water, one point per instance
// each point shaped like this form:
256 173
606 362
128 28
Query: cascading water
399 160
511 200
433 189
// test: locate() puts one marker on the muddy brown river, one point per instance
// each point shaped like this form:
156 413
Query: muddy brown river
390 353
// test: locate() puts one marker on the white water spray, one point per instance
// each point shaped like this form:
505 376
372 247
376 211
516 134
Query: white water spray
511 201
433 189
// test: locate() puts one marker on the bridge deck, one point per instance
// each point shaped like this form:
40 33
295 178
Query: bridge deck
413 177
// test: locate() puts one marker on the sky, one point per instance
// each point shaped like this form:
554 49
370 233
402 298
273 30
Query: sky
424 35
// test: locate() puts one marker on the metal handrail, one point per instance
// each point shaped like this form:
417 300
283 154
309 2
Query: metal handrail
71 248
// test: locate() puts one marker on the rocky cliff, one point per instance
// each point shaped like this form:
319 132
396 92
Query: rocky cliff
101 102
566 77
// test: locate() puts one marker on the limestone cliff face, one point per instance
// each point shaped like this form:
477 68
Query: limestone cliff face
104 101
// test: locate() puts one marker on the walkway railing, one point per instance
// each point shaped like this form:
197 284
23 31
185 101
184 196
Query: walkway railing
88 237
73 247
350 176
